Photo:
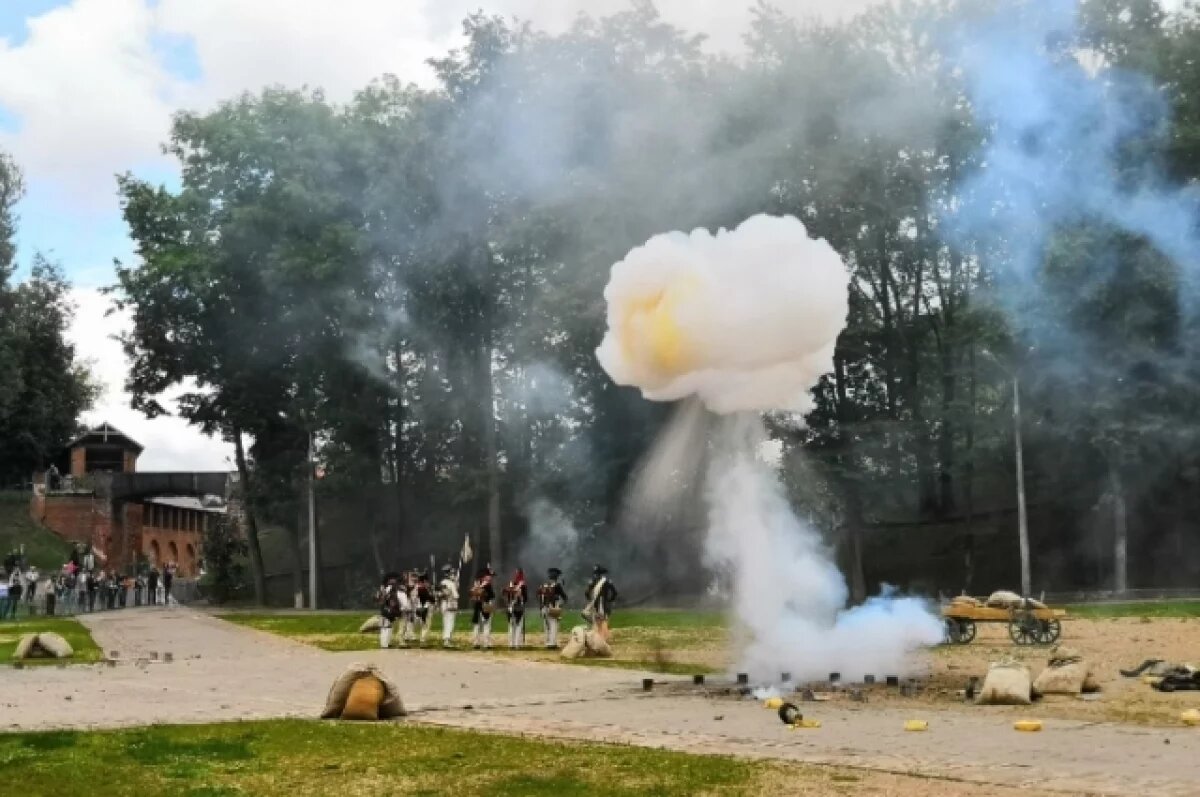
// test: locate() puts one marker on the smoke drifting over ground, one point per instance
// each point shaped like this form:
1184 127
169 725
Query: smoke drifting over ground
746 322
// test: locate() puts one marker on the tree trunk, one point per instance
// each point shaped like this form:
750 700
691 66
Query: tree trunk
298 554
491 456
257 569
1120 531
854 521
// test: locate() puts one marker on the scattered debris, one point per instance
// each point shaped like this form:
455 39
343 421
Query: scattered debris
916 725
1029 726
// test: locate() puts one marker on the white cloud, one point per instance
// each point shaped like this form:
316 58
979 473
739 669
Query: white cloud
169 442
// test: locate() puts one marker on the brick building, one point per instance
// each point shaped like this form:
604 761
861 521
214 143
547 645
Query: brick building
95 494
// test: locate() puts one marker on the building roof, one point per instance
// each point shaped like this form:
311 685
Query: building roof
186 502
106 434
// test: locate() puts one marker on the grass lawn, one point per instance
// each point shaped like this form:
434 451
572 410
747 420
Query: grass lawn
669 641
1153 609
72 631
42 547
298 757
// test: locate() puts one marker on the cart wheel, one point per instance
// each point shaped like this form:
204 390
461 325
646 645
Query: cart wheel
1023 629
1049 631
952 631
966 631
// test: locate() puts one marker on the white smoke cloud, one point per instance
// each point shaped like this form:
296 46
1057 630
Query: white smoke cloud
747 322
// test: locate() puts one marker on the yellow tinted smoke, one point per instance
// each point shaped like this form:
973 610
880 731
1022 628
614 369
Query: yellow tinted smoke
652 336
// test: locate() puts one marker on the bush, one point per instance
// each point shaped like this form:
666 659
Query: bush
224 561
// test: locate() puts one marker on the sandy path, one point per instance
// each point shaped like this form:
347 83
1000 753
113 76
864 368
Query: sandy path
223 672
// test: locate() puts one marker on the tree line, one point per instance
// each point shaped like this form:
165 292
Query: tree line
413 280
44 387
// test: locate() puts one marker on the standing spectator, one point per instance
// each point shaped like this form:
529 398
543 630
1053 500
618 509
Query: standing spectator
16 582
168 579
54 478
139 586
81 591
93 586
3 595
152 586
31 582
89 560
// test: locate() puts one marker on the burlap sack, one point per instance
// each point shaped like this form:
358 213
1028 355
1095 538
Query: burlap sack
1007 684
1003 598
55 645
390 705
1062 679
576 646
597 645
25 646
370 625
363 701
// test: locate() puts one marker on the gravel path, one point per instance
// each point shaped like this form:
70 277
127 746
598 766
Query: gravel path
220 671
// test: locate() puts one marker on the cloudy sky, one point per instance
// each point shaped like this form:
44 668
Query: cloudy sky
87 88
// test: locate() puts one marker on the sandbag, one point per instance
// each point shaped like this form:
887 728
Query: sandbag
390 705
25 646
576 646
597 645
370 625
1007 684
363 701
55 645
1006 599
1062 679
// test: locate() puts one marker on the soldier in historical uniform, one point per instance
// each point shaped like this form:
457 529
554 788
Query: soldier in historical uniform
483 603
552 596
516 595
408 585
391 606
601 595
423 606
448 599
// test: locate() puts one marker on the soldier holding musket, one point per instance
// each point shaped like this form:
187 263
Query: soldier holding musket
483 603
552 596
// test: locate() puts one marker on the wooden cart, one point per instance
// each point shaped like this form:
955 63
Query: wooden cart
1029 623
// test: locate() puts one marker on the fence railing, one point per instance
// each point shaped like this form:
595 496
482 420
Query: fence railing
70 603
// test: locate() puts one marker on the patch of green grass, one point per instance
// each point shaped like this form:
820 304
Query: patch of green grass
81 641
294 758
658 640
1151 609
43 548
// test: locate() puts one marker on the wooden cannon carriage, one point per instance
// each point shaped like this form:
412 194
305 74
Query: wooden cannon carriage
1030 622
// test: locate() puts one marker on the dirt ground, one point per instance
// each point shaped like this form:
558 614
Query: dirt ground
220 671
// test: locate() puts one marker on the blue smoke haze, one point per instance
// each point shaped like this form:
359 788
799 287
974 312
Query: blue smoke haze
1057 135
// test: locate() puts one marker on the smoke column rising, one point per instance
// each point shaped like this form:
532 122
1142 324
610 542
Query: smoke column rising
747 322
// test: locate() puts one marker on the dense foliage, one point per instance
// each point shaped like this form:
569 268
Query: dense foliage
416 278
43 385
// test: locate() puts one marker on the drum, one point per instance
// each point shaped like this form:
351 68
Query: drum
555 612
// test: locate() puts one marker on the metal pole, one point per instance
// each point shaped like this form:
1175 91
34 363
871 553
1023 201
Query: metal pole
312 527
1022 519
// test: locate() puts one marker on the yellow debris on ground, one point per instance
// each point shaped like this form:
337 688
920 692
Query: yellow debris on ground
773 702
916 725
1190 717
1029 726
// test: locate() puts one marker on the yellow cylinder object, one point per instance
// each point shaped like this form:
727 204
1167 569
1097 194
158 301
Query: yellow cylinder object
1029 726
804 725
773 702
916 725
1151 680
1190 717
